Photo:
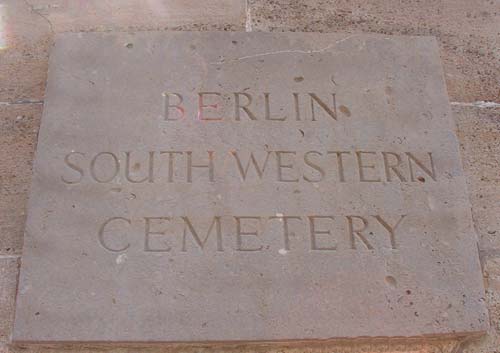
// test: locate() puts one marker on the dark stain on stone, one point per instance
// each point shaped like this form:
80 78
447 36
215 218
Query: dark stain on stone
345 110
391 281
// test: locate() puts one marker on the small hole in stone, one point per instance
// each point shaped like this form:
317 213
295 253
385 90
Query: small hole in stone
345 110
129 45
391 281
422 179
298 79
408 291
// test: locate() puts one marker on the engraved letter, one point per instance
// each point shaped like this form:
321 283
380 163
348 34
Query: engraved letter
340 164
393 167
116 165
314 232
190 166
286 232
326 108
74 167
268 109
362 166
240 234
314 166
430 172
171 155
201 243
101 235
148 232
202 105
297 106
357 232
167 106
284 166
258 169
237 106
390 229
148 177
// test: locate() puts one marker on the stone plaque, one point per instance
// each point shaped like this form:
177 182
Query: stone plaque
208 187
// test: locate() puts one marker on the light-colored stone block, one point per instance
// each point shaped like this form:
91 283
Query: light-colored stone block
479 135
25 39
18 132
489 343
135 14
27 28
194 187
372 346
468 32
8 281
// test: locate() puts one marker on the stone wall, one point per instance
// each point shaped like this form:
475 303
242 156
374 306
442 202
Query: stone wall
469 35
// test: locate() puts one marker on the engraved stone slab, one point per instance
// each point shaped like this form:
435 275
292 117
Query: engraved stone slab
194 187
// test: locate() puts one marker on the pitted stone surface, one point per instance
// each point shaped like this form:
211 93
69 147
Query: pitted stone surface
193 187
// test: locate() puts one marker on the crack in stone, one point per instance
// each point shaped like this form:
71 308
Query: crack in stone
288 51
248 17
22 101
478 104
9 257
32 8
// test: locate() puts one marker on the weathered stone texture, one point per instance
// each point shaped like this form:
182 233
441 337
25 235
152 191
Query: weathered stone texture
24 43
9 268
479 134
380 346
18 132
423 279
98 15
489 343
468 31
28 27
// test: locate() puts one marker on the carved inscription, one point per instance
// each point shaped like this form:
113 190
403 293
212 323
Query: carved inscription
250 233
270 166
314 233
249 106
247 188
